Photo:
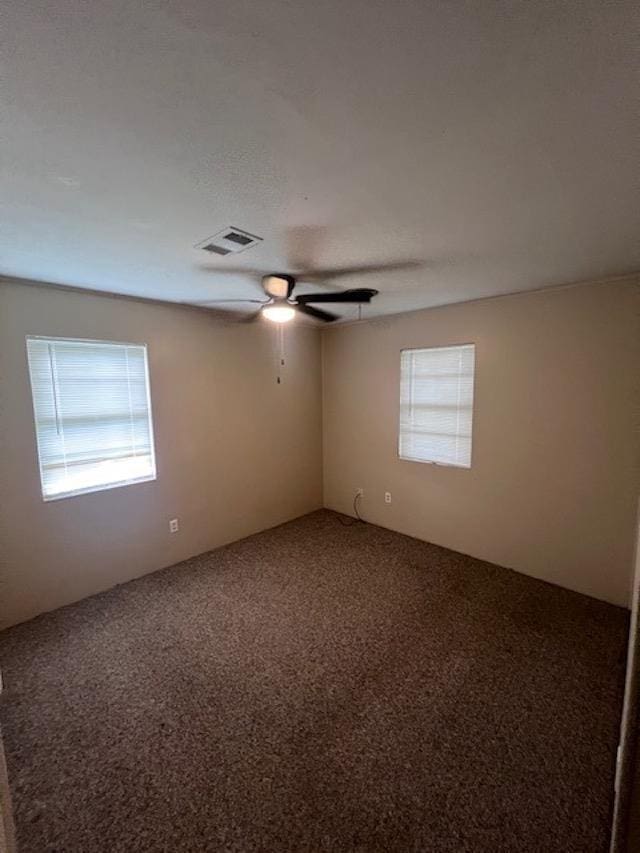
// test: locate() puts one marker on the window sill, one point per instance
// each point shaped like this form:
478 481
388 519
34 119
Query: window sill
102 488
433 462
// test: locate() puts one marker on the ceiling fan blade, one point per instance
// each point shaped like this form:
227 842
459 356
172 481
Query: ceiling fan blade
207 302
359 295
249 318
232 316
362 269
223 314
315 312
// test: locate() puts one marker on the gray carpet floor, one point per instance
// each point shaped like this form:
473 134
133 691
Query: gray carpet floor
317 688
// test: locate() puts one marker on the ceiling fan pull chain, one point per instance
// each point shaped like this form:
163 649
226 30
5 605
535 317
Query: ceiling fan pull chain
279 351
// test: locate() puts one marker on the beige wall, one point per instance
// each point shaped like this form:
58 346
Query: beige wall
553 485
626 815
555 459
236 453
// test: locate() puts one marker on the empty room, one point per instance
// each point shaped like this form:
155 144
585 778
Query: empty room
319 426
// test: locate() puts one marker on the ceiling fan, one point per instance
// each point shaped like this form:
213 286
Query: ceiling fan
281 304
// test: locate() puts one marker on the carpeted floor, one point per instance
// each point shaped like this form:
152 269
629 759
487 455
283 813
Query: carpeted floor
317 688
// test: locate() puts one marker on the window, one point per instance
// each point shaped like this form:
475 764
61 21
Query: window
436 404
92 414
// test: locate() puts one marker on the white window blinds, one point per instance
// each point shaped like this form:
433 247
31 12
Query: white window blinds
436 404
92 414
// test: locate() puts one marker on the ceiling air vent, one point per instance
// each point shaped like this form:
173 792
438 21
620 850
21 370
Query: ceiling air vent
229 241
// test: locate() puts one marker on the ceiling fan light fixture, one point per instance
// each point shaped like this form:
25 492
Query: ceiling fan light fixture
278 313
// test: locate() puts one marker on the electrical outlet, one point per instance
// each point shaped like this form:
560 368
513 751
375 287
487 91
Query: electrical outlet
174 526
387 497
359 493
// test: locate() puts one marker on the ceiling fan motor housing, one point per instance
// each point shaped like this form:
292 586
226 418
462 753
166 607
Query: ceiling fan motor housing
279 286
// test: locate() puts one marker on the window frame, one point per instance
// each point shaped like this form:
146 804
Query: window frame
105 486
473 406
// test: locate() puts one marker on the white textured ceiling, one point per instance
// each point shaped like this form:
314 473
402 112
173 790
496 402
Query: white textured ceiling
496 143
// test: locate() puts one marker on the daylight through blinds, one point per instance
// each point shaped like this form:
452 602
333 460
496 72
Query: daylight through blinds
92 414
436 404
